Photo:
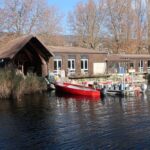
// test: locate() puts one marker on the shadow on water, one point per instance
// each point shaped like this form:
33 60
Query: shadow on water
51 121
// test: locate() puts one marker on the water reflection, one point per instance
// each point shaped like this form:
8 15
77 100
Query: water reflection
48 121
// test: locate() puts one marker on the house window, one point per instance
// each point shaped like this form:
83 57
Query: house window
84 65
71 64
57 64
141 63
141 66
131 65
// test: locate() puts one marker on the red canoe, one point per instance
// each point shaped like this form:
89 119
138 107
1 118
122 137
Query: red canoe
75 89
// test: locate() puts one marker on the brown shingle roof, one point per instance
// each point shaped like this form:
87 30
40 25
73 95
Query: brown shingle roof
58 49
11 48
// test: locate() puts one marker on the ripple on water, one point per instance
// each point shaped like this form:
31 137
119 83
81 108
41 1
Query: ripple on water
51 122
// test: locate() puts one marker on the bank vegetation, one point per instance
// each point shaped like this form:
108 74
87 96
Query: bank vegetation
14 86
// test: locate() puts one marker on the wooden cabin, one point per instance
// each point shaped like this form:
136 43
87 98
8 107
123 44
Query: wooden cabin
27 54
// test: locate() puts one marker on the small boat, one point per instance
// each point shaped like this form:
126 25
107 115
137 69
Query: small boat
76 89
115 92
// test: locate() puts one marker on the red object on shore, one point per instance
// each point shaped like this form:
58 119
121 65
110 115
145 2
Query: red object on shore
76 89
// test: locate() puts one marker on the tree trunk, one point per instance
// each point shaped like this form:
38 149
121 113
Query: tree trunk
148 26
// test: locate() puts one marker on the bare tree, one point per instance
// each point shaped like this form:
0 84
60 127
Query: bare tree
50 21
148 18
126 25
122 23
29 16
118 24
86 21
140 24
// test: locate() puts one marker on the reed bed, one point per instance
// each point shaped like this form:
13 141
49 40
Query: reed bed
14 85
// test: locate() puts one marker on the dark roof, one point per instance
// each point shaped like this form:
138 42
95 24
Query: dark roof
126 57
130 56
59 49
116 58
11 48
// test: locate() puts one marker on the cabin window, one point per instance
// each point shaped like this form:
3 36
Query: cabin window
2 63
57 64
71 64
84 65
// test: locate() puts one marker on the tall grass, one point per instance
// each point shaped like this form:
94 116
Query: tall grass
33 84
15 86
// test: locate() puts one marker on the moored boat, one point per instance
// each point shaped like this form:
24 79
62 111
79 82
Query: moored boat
76 89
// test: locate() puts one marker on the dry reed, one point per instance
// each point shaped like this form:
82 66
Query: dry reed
15 86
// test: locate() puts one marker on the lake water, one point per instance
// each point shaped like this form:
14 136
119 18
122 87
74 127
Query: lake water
52 122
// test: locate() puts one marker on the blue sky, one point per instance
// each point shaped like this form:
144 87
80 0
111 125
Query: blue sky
65 5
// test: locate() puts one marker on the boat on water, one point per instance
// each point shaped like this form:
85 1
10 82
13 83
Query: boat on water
121 89
76 89
129 90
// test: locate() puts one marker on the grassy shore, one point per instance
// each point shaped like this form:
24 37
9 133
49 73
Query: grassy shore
14 85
